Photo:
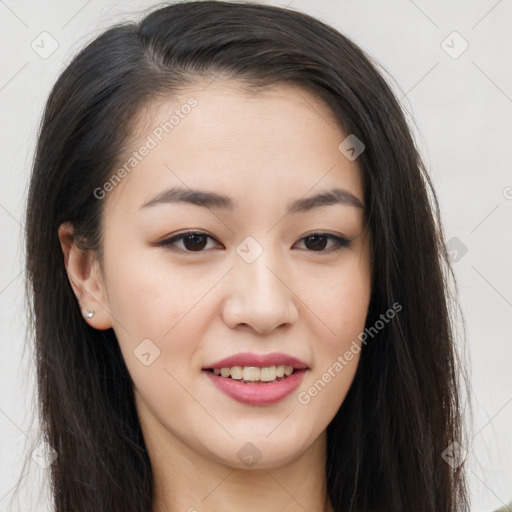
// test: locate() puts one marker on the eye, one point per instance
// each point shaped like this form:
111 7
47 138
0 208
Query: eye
197 241
317 241
193 241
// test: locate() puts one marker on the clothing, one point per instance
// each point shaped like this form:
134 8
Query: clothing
505 508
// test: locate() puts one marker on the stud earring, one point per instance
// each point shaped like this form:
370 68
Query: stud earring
89 313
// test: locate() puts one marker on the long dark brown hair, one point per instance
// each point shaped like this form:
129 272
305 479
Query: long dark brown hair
404 408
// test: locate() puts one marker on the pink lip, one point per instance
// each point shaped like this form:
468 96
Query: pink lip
260 360
257 394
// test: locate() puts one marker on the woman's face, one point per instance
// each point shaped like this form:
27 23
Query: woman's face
255 281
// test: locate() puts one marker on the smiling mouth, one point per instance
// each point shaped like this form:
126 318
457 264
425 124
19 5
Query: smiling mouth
255 374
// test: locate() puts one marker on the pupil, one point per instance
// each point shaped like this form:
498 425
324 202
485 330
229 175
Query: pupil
198 241
316 244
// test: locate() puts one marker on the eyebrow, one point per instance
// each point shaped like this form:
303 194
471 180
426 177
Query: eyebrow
221 202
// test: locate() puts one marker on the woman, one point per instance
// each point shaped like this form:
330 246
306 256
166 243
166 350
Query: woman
240 285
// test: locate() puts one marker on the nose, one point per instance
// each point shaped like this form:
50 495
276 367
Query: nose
259 295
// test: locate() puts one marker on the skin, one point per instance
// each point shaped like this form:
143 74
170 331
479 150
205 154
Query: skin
264 151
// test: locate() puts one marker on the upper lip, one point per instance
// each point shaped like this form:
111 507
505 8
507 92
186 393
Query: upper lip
260 360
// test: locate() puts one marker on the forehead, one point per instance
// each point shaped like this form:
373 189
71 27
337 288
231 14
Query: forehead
283 137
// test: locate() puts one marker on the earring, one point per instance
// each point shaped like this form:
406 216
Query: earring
89 313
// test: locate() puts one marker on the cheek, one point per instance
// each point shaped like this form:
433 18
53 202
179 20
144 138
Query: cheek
160 311
159 341
344 309
342 305
147 298
341 301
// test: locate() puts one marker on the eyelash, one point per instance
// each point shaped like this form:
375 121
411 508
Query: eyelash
340 241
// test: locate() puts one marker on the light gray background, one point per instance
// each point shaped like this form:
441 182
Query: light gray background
462 110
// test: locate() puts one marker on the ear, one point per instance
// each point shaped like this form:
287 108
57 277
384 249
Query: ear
85 277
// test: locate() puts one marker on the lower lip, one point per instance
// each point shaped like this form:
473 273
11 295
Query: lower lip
257 394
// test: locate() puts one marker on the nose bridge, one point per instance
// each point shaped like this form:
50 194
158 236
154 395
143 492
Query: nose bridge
258 295
259 277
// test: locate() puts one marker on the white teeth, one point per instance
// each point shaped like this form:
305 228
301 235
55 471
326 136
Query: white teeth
254 373
268 374
251 373
235 371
